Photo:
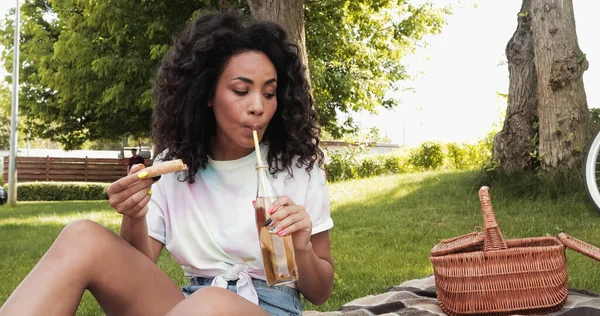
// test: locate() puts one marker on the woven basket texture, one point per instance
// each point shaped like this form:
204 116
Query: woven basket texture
482 273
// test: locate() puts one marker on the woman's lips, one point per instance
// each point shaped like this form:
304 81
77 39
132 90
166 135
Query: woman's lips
248 129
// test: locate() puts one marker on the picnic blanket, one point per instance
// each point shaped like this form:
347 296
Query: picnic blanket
417 298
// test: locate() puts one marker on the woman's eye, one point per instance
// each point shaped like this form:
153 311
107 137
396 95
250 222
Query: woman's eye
269 95
240 93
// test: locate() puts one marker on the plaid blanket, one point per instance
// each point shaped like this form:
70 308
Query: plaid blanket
417 298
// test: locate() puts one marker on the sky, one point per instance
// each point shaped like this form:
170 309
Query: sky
455 97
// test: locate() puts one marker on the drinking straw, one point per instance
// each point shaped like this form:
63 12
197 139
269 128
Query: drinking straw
259 159
256 147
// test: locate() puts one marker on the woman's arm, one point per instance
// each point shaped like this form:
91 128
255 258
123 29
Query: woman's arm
315 269
129 196
135 232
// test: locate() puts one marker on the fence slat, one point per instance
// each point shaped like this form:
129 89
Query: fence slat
69 169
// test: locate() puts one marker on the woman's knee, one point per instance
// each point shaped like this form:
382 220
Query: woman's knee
85 236
83 228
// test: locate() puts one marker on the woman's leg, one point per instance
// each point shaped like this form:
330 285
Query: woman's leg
87 255
212 301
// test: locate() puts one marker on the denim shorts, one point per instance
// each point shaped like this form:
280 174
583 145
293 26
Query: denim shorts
276 300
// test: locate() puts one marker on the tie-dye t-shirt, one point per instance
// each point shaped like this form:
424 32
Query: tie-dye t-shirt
209 226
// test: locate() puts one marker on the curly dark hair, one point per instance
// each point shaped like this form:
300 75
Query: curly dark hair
183 126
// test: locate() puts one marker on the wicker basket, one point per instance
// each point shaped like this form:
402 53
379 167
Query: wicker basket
482 273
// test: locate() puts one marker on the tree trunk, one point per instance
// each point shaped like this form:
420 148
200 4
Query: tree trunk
290 15
515 146
562 106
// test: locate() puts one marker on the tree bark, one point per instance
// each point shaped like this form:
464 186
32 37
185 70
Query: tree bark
562 106
515 145
290 15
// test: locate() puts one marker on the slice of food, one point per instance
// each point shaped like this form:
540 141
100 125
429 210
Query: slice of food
163 168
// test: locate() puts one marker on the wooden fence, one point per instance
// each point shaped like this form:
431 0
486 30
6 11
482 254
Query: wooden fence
30 169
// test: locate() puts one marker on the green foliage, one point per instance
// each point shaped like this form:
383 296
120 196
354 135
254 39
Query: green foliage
61 191
354 163
457 156
355 50
103 144
370 166
341 166
428 156
5 104
468 156
88 66
395 163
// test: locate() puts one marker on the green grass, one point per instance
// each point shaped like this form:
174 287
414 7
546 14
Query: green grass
384 229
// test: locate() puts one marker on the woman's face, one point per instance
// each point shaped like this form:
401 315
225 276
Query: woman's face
244 100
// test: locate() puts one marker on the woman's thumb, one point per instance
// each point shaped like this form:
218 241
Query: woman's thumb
136 168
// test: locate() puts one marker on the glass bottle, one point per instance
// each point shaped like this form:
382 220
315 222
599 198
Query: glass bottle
277 252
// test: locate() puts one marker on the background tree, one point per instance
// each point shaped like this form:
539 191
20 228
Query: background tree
355 50
516 144
562 105
88 66
289 14
546 68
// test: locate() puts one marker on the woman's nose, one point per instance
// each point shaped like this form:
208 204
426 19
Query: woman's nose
255 107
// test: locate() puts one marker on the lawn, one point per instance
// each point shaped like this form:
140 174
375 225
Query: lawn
384 230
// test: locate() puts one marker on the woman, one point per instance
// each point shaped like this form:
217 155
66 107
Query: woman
222 79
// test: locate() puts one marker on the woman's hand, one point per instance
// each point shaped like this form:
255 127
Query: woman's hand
291 219
130 195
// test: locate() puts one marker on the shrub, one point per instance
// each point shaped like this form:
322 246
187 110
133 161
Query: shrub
341 166
468 156
61 191
344 165
370 166
428 156
456 155
393 163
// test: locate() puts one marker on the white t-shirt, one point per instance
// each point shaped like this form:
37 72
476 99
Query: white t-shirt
209 226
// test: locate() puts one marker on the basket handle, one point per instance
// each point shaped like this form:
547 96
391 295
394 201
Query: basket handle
493 239
580 246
